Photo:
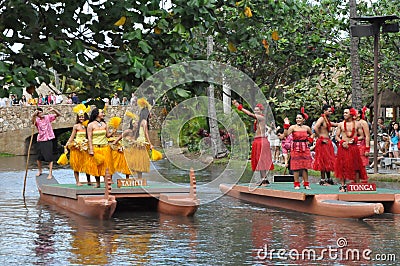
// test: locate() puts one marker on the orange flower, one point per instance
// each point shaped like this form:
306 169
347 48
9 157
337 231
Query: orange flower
120 22
157 30
266 46
247 12
275 35
231 47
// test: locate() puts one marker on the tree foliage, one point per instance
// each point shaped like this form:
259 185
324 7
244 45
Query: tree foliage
297 51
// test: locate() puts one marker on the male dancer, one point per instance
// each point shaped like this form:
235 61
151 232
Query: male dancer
261 159
348 161
324 153
363 145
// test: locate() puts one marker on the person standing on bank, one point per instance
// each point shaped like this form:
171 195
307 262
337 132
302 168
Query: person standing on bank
45 138
261 158
300 155
100 157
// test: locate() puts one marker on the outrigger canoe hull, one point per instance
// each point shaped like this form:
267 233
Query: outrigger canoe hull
320 204
95 207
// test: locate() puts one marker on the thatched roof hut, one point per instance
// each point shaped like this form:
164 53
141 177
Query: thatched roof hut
388 99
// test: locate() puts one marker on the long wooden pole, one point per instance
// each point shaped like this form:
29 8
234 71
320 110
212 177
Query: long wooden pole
376 111
27 160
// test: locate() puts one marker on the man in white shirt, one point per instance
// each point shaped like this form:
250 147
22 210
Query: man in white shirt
59 98
115 100
2 102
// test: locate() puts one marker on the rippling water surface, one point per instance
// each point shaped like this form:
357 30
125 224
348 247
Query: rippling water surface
223 232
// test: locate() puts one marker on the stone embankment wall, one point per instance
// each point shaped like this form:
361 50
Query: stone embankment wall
16 125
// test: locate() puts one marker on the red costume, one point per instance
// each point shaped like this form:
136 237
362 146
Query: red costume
261 158
300 156
324 155
363 148
348 162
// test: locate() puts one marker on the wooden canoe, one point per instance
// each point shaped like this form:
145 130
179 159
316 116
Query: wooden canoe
320 200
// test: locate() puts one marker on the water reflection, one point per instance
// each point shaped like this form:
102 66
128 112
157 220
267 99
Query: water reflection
44 243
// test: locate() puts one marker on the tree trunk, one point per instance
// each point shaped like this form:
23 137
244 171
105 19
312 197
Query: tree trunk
218 148
356 91
226 96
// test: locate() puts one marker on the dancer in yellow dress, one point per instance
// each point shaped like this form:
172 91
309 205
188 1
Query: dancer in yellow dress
117 149
136 154
78 143
100 157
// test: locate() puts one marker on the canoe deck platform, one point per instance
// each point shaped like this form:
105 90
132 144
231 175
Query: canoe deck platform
381 194
73 191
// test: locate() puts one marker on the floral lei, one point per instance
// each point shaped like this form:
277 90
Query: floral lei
353 131
327 121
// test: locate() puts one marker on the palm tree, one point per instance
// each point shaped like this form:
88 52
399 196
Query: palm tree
355 62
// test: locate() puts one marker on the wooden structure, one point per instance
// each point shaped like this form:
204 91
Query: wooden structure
101 203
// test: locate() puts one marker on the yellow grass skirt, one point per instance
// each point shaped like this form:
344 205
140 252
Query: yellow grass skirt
120 164
102 159
78 160
137 158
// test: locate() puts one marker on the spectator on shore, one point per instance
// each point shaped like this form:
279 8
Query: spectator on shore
381 130
69 99
124 101
59 98
14 100
75 99
106 102
3 102
22 101
42 100
133 101
115 101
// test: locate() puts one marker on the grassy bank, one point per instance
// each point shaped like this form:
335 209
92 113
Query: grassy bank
6 155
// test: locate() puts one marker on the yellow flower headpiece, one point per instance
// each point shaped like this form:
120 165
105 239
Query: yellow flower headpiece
85 123
142 103
134 117
81 109
114 122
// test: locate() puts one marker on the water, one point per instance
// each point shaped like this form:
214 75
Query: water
225 231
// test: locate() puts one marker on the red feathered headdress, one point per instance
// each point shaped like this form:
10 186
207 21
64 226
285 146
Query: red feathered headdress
305 116
353 112
259 105
363 110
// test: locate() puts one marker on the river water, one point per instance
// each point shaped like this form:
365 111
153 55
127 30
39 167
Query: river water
225 231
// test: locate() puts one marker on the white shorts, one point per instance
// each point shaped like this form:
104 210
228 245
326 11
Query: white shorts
275 143
393 147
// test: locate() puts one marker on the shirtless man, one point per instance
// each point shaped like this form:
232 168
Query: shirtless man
261 159
324 152
363 145
348 164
